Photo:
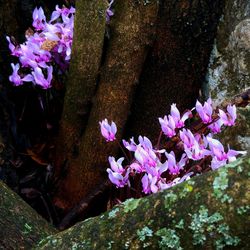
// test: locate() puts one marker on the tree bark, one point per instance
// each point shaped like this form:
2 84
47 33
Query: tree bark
87 48
132 29
176 66
209 212
20 226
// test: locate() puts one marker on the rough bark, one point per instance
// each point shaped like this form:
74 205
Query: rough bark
209 212
88 40
20 226
132 29
229 68
177 63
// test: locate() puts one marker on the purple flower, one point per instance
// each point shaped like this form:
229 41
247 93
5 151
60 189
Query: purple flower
39 19
15 77
220 157
117 174
40 79
168 126
174 167
187 138
205 111
149 184
175 113
215 127
229 118
108 131
15 51
109 12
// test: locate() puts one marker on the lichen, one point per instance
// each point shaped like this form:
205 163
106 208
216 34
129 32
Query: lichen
204 226
169 199
143 233
169 239
130 205
243 209
113 212
220 184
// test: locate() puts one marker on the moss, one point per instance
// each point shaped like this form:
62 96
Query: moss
130 205
243 209
113 212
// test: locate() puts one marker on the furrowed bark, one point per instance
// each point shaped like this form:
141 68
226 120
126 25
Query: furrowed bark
88 40
132 29
210 211
176 66
20 226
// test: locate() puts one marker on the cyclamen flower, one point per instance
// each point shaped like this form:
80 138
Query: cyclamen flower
109 12
215 127
15 51
168 126
117 174
228 118
39 19
108 131
40 79
220 157
205 112
174 167
187 138
175 113
15 77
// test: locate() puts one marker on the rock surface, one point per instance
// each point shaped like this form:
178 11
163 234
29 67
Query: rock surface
229 69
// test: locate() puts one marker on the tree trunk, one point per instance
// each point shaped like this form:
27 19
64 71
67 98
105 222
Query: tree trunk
20 226
131 34
209 212
87 48
177 64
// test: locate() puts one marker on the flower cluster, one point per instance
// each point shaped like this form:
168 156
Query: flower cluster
49 42
163 168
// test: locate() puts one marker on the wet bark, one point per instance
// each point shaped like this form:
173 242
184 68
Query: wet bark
132 29
209 212
20 226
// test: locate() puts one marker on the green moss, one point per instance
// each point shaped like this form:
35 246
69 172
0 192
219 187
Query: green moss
27 228
130 205
169 239
180 224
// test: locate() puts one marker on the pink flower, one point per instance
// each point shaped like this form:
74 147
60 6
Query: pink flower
228 118
40 79
174 167
215 127
108 131
149 184
187 138
175 113
205 111
15 51
39 19
117 174
15 77
168 126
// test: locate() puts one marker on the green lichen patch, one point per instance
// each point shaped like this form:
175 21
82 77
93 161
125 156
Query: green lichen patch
131 204
204 226
113 212
243 210
169 239
143 233
169 199
220 184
